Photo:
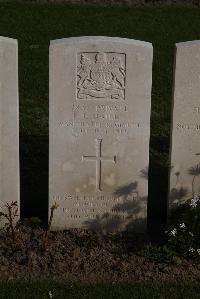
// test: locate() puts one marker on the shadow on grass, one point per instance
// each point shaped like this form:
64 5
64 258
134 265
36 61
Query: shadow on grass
34 177
158 187
42 289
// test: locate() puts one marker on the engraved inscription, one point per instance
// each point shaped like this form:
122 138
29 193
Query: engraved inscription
197 109
100 120
92 206
101 76
194 127
182 126
98 158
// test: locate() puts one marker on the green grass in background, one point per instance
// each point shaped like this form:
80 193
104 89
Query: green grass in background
40 290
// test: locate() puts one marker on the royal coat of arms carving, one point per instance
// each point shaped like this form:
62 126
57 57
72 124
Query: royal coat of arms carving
101 76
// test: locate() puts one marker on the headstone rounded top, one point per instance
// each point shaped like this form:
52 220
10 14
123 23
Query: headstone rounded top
188 44
8 39
99 120
102 39
9 124
185 163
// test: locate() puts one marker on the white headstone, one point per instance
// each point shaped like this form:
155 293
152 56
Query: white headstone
100 96
9 124
185 144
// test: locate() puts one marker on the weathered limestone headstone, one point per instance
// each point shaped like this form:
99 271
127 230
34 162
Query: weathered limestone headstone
100 96
185 145
9 124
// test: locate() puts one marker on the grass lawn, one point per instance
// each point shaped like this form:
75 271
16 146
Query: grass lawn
35 25
118 291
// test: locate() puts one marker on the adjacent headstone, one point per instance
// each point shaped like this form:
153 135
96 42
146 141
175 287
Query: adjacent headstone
100 97
9 125
185 144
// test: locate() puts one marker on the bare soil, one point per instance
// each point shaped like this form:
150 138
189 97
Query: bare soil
79 255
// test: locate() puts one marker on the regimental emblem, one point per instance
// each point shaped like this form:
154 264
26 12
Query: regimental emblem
101 76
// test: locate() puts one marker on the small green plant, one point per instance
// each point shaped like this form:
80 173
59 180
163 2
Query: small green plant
184 238
160 254
10 215
46 233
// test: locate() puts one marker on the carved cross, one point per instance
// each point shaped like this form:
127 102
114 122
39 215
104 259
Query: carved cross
98 159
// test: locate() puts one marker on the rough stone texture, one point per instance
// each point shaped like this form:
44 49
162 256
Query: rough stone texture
100 95
9 123
185 145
